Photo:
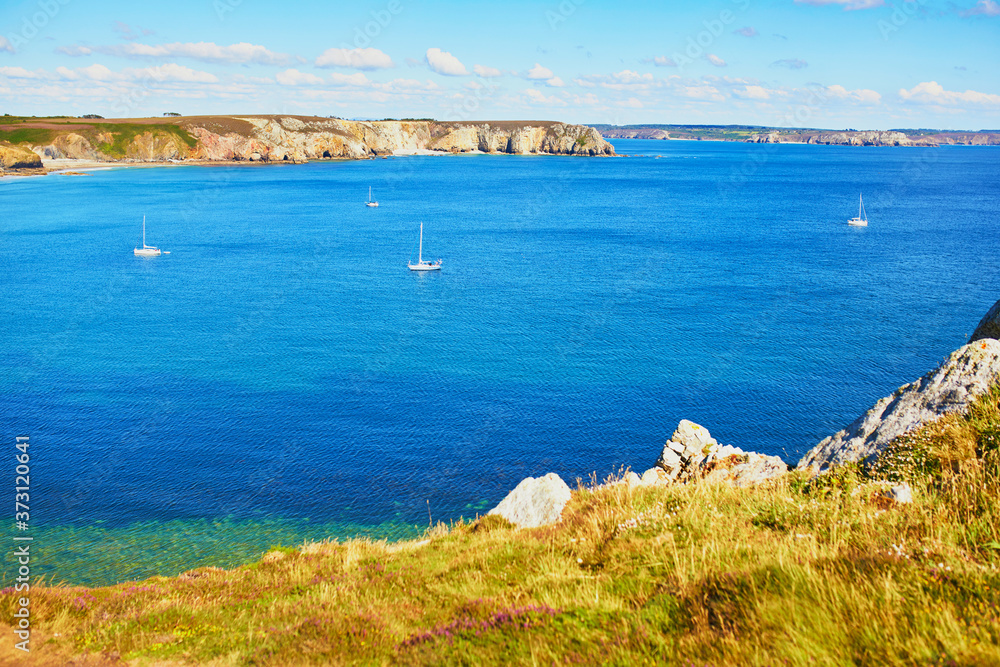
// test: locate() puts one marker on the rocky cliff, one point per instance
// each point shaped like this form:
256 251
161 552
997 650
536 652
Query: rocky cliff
868 138
300 138
969 372
18 159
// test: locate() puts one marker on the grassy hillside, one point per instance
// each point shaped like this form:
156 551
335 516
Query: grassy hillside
111 138
823 571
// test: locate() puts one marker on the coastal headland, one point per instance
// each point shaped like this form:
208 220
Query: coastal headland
760 134
28 145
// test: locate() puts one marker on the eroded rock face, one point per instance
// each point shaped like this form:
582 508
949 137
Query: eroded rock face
297 139
967 373
692 453
535 501
989 326
16 158
71 146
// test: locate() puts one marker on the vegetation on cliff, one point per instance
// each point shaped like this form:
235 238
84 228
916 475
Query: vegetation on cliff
287 138
824 570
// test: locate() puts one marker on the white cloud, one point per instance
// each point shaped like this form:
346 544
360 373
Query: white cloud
630 103
293 77
486 72
983 8
537 97
239 54
555 82
663 61
790 63
358 79
407 86
849 5
98 72
5 45
716 60
76 50
701 92
20 73
860 95
539 72
364 59
169 72
931 92
160 73
752 93
443 62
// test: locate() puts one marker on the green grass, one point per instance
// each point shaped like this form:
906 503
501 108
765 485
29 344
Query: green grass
123 134
822 571
28 135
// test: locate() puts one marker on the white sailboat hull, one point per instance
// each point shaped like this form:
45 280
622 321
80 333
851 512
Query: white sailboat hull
147 252
857 222
426 266
371 204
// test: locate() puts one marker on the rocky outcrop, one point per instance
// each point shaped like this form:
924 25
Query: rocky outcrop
849 138
535 501
17 159
637 133
989 326
967 373
692 454
70 146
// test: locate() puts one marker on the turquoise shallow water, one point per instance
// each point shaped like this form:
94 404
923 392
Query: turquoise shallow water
281 375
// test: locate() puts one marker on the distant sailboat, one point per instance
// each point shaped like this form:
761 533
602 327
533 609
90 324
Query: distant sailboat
146 250
862 219
371 203
421 265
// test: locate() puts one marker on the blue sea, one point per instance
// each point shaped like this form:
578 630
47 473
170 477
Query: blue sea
281 375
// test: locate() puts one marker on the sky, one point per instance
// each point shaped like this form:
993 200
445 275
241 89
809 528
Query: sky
837 64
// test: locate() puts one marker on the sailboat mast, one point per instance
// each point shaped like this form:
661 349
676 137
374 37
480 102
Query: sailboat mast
420 251
143 231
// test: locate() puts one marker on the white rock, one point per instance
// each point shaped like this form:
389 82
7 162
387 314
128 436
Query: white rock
535 501
901 493
967 373
693 436
632 479
669 459
655 476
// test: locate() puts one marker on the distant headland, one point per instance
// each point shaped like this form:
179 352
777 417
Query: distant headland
32 145
778 135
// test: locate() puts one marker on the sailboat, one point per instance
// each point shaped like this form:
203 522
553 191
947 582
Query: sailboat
421 265
146 250
862 219
371 203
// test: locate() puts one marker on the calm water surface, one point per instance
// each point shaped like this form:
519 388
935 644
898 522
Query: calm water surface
281 375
